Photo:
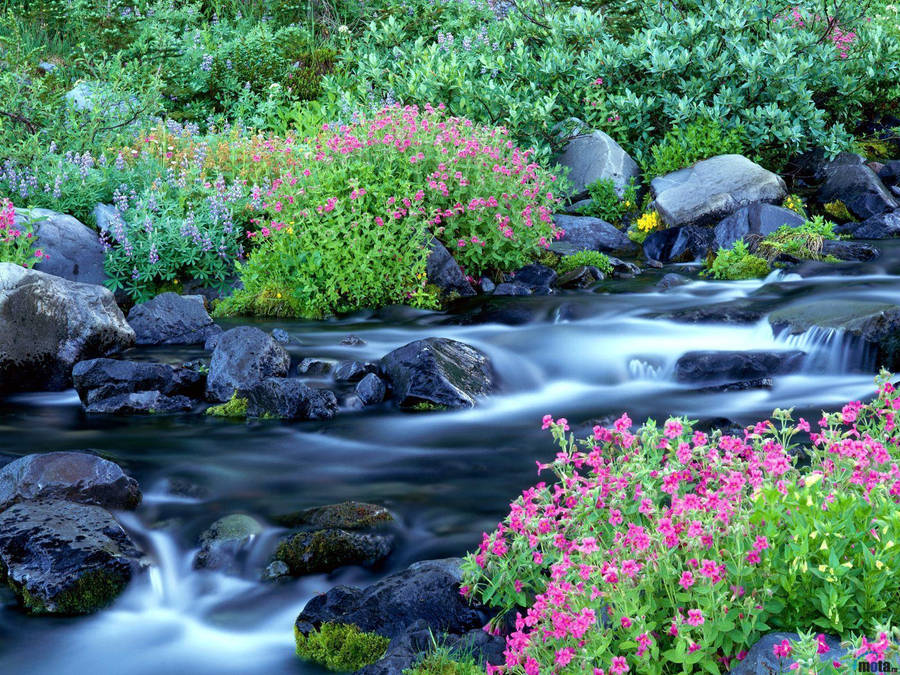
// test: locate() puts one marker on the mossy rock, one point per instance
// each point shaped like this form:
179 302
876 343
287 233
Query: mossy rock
340 647
326 550
235 408
348 515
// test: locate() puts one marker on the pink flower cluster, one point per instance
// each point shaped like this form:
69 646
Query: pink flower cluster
15 242
841 39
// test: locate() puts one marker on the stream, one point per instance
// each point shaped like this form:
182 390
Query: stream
448 476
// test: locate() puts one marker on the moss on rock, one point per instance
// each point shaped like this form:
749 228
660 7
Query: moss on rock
236 407
340 647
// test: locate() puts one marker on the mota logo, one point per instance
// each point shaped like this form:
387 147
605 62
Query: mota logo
876 667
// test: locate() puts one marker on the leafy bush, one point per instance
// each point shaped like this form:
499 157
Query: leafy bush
584 258
606 203
737 263
17 241
341 647
347 222
803 242
684 146
669 550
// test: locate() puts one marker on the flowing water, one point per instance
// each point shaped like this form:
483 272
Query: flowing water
447 475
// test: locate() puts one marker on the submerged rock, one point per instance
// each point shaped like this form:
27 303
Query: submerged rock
371 389
73 476
65 558
226 542
438 372
351 371
712 189
47 324
326 550
735 366
242 357
172 319
346 516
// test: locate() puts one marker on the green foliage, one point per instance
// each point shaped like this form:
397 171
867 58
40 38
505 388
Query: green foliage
584 258
839 211
235 407
340 647
606 203
17 240
803 242
441 660
737 263
686 145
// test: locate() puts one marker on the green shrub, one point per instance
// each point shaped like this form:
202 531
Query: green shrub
804 242
737 263
442 661
340 647
584 258
606 203
684 146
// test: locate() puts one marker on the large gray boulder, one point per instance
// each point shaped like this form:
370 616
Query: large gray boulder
243 357
73 476
444 272
757 219
712 189
583 233
596 156
47 324
438 372
60 557
172 319
74 250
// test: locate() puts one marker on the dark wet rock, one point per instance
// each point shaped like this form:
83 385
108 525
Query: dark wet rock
225 544
679 244
353 341
314 368
849 250
172 319
873 329
584 233
596 156
712 189
73 476
141 403
439 372
345 516
578 208
536 276
243 357
755 219
75 250
326 550
512 288
672 280
890 173
426 591
735 366
371 389
655 264
761 659
276 571
47 324
65 558
809 169
444 272
622 269
858 188
351 371
583 276
883 226
742 385
281 336
733 312
487 286
99 379
288 399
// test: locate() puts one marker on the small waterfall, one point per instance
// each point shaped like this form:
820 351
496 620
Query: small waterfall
829 350
639 369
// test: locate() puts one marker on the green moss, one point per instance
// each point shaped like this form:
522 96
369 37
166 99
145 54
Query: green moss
425 406
91 592
839 211
236 407
442 660
340 647
586 259
736 263
805 242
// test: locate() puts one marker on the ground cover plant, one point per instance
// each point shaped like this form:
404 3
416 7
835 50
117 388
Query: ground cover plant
666 549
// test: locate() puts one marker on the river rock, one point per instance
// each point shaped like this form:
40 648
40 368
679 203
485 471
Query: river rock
514 288
882 226
172 319
226 543
371 389
583 233
712 189
141 403
761 659
98 379
75 250
426 591
852 251
445 273
314 367
859 188
243 357
74 476
890 173
351 371
348 515
735 366
326 550
47 324
538 278
288 399
439 372
65 558
759 219
679 244
873 328
583 276
596 156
